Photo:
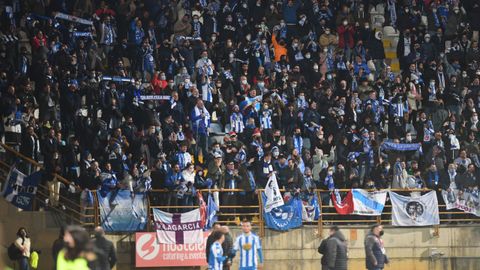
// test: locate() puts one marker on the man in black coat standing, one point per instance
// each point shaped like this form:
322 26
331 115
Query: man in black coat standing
334 251
375 255
106 246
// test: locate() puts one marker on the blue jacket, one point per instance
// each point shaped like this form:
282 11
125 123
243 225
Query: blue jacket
172 178
290 12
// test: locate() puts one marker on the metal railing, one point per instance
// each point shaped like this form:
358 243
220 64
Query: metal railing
248 206
68 205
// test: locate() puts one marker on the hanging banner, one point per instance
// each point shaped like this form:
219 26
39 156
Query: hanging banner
311 209
178 228
120 213
415 211
285 217
212 209
20 189
368 203
345 206
466 200
273 196
150 253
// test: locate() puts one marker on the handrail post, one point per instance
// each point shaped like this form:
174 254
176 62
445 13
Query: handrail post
95 208
148 214
320 216
260 211
436 230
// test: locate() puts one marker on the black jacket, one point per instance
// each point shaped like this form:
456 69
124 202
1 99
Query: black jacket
334 251
374 257
107 247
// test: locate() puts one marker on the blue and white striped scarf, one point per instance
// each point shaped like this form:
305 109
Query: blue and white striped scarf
428 132
298 143
329 183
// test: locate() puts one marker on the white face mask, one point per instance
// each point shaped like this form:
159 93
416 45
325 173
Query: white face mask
244 81
345 23
261 84
315 67
325 50
327 32
308 56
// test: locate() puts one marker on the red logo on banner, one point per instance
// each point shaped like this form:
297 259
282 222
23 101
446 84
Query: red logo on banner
147 247
150 253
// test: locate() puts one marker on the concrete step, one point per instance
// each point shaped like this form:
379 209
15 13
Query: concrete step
395 65
387 43
390 54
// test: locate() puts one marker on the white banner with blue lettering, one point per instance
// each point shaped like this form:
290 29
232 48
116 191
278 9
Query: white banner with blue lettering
285 217
368 203
20 189
273 196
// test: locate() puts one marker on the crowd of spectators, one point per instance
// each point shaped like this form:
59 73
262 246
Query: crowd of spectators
136 94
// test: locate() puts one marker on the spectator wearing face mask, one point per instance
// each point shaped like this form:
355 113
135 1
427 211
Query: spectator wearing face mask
375 254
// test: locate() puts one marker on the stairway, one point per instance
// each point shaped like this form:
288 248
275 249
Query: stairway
390 41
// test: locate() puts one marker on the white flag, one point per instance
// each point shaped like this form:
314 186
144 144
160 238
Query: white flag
274 197
415 211
184 228
368 203
467 201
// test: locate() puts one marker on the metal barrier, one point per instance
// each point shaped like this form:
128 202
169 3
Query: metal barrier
68 204
250 207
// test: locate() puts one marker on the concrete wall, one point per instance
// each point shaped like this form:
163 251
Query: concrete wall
408 248
43 228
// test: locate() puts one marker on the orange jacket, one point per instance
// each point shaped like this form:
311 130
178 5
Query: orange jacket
278 49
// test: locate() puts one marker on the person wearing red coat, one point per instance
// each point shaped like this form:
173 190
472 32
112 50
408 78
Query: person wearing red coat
39 40
345 38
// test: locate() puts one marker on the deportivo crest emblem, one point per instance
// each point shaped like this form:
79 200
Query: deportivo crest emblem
247 246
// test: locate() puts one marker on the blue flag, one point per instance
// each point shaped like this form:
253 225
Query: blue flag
212 209
20 189
285 217
122 213
315 204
